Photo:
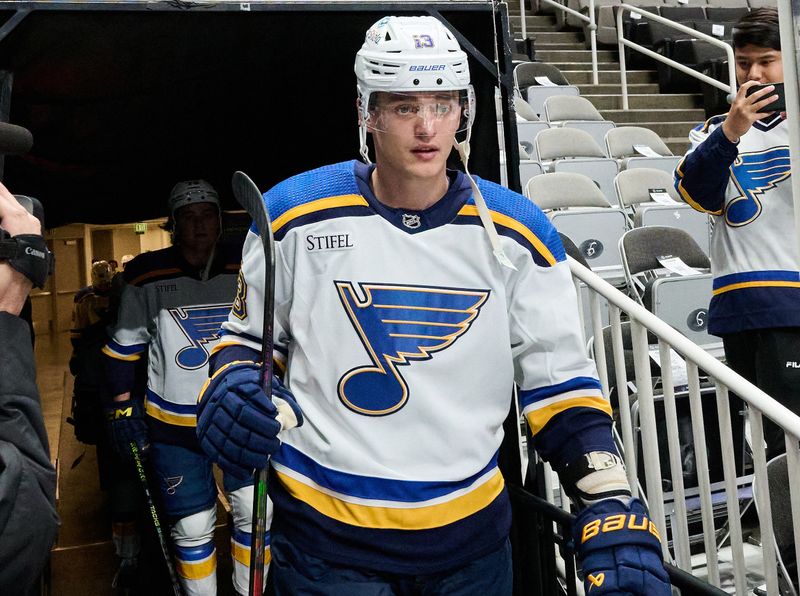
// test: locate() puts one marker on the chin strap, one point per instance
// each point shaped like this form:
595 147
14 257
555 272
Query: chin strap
362 138
480 203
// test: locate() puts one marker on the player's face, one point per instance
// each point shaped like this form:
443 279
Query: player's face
414 132
754 63
197 226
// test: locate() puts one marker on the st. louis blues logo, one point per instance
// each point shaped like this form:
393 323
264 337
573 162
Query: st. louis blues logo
200 325
399 325
754 173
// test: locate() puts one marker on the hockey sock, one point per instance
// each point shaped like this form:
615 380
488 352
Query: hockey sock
197 569
241 541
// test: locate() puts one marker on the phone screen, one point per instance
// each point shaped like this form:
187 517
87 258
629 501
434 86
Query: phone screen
775 106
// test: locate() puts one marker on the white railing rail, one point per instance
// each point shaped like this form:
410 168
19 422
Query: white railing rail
590 19
523 25
725 380
623 43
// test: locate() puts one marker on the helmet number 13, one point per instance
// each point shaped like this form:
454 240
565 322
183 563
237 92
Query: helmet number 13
423 41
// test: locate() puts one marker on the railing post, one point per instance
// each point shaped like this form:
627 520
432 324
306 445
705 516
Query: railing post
623 76
593 41
523 24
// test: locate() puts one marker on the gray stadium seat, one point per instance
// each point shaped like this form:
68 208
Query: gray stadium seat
528 169
579 209
535 94
621 143
526 134
680 301
559 109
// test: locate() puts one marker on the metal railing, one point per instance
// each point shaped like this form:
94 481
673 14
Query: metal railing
721 380
590 19
623 43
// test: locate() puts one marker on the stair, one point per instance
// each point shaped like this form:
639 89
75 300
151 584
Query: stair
672 116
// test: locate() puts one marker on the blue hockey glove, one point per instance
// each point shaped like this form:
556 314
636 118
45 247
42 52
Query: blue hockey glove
621 550
126 424
237 424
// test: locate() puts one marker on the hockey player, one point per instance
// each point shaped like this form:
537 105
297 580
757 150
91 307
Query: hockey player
737 170
171 311
409 300
91 316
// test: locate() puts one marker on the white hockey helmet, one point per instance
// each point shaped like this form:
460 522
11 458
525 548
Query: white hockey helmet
408 55
190 192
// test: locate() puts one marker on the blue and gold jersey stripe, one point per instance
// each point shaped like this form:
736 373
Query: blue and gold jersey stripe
120 352
756 279
382 503
176 414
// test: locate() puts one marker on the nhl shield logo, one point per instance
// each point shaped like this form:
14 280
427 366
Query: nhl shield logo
411 221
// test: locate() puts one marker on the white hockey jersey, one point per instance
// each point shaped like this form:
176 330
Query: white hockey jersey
754 256
402 337
173 317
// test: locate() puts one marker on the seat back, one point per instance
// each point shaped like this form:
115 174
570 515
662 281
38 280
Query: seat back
621 141
681 216
555 143
634 186
557 109
564 191
526 134
596 128
666 164
527 170
536 95
601 170
641 248
525 74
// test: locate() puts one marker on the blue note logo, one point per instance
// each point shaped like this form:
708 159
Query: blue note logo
399 325
200 325
754 173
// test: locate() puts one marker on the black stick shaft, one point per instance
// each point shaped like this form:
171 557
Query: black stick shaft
151 506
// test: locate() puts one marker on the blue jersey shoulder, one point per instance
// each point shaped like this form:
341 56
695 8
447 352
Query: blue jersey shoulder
713 121
322 183
522 210
151 265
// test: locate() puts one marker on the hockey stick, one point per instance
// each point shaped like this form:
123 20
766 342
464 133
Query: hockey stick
176 586
249 197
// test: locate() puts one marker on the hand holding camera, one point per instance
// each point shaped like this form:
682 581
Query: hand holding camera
24 258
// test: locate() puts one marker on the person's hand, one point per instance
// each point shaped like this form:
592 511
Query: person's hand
126 425
14 219
237 424
621 550
745 110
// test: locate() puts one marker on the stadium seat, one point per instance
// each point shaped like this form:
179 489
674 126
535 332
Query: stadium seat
533 91
573 150
727 12
622 143
585 216
679 300
526 134
633 193
559 109
528 169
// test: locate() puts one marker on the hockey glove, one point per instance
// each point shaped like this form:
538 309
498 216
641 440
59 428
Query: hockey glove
126 425
237 424
621 550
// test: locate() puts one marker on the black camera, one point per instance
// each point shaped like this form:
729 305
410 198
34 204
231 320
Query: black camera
28 253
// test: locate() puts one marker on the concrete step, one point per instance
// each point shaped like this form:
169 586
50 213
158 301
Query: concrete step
616 90
655 115
558 37
584 77
666 129
532 29
647 100
584 66
546 47
534 20
582 56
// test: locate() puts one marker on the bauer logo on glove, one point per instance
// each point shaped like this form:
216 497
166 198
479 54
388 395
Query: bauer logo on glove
614 523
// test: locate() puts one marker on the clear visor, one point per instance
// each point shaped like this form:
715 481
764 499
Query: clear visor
448 112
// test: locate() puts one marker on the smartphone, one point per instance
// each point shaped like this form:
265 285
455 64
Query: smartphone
775 106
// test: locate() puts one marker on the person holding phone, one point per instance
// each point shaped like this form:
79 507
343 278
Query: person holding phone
737 170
